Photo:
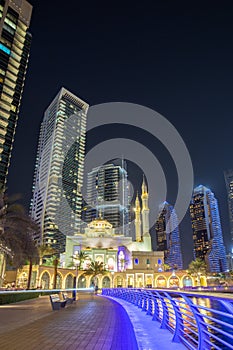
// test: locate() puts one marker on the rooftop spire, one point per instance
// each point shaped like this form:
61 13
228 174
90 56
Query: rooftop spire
144 186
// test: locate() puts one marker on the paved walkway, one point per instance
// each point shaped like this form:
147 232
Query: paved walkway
92 323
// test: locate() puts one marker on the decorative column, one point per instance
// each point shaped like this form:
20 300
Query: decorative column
137 221
145 209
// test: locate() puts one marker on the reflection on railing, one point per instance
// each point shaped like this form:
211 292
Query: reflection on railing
199 322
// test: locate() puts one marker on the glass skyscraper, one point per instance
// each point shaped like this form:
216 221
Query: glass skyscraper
228 174
107 196
207 231
168 236
57 199
15 41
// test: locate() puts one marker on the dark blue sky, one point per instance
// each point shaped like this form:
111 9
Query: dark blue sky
172 56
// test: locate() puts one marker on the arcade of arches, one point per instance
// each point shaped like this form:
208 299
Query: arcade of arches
42 277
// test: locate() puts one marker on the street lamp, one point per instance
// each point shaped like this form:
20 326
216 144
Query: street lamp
75 286
112 273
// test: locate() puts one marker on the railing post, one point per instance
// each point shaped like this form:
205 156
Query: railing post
150 304
165 319
145 298
156 308
179 326
201 325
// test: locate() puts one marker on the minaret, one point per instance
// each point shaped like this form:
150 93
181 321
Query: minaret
137 219
145 209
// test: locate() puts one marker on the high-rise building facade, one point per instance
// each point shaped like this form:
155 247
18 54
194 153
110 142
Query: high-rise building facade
107 196
15 41
57 199
168 236
207 231
229 185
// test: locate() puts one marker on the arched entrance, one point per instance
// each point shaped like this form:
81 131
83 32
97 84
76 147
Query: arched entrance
94 281
69 281
106 282
82 282
161 282
59 281
22 280
187 281
45 280
174 282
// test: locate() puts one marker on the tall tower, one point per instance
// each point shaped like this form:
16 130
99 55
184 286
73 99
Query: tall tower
168 236
107 196
207 231
145 209
229 185
15 41
137 222
57 199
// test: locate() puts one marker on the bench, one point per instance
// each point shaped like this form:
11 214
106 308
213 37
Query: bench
56 302
67 298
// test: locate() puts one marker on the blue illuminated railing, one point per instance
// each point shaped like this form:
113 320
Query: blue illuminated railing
198 321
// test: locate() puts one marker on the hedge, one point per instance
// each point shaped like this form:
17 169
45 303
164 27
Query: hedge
11 297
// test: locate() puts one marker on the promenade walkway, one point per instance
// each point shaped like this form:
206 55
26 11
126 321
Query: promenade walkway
91 323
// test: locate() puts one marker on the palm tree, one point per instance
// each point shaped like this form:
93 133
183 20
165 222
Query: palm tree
80 257
197 268
95 269
44 250
53 261
166 267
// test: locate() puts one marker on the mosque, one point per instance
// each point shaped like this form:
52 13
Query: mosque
129 262
117 252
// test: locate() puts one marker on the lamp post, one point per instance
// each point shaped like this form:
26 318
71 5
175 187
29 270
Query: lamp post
75 286
112 273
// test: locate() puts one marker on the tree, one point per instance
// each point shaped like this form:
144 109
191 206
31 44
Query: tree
53 261
80 257
43 251
166 267
95 269
16 230
197 268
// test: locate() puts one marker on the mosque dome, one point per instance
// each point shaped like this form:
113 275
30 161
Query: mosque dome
99 224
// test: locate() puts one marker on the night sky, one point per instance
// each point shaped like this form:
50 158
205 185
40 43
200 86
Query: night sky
171 56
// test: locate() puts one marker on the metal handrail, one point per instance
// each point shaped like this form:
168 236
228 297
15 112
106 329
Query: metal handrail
198 327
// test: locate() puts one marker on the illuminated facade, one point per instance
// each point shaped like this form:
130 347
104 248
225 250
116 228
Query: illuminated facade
168 236
57 199
107 196
207 231
118 252
15 41
229 185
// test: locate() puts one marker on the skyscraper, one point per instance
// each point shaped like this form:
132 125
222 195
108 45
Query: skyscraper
107 196
229 185
207 231
168 236
57 199
15 44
